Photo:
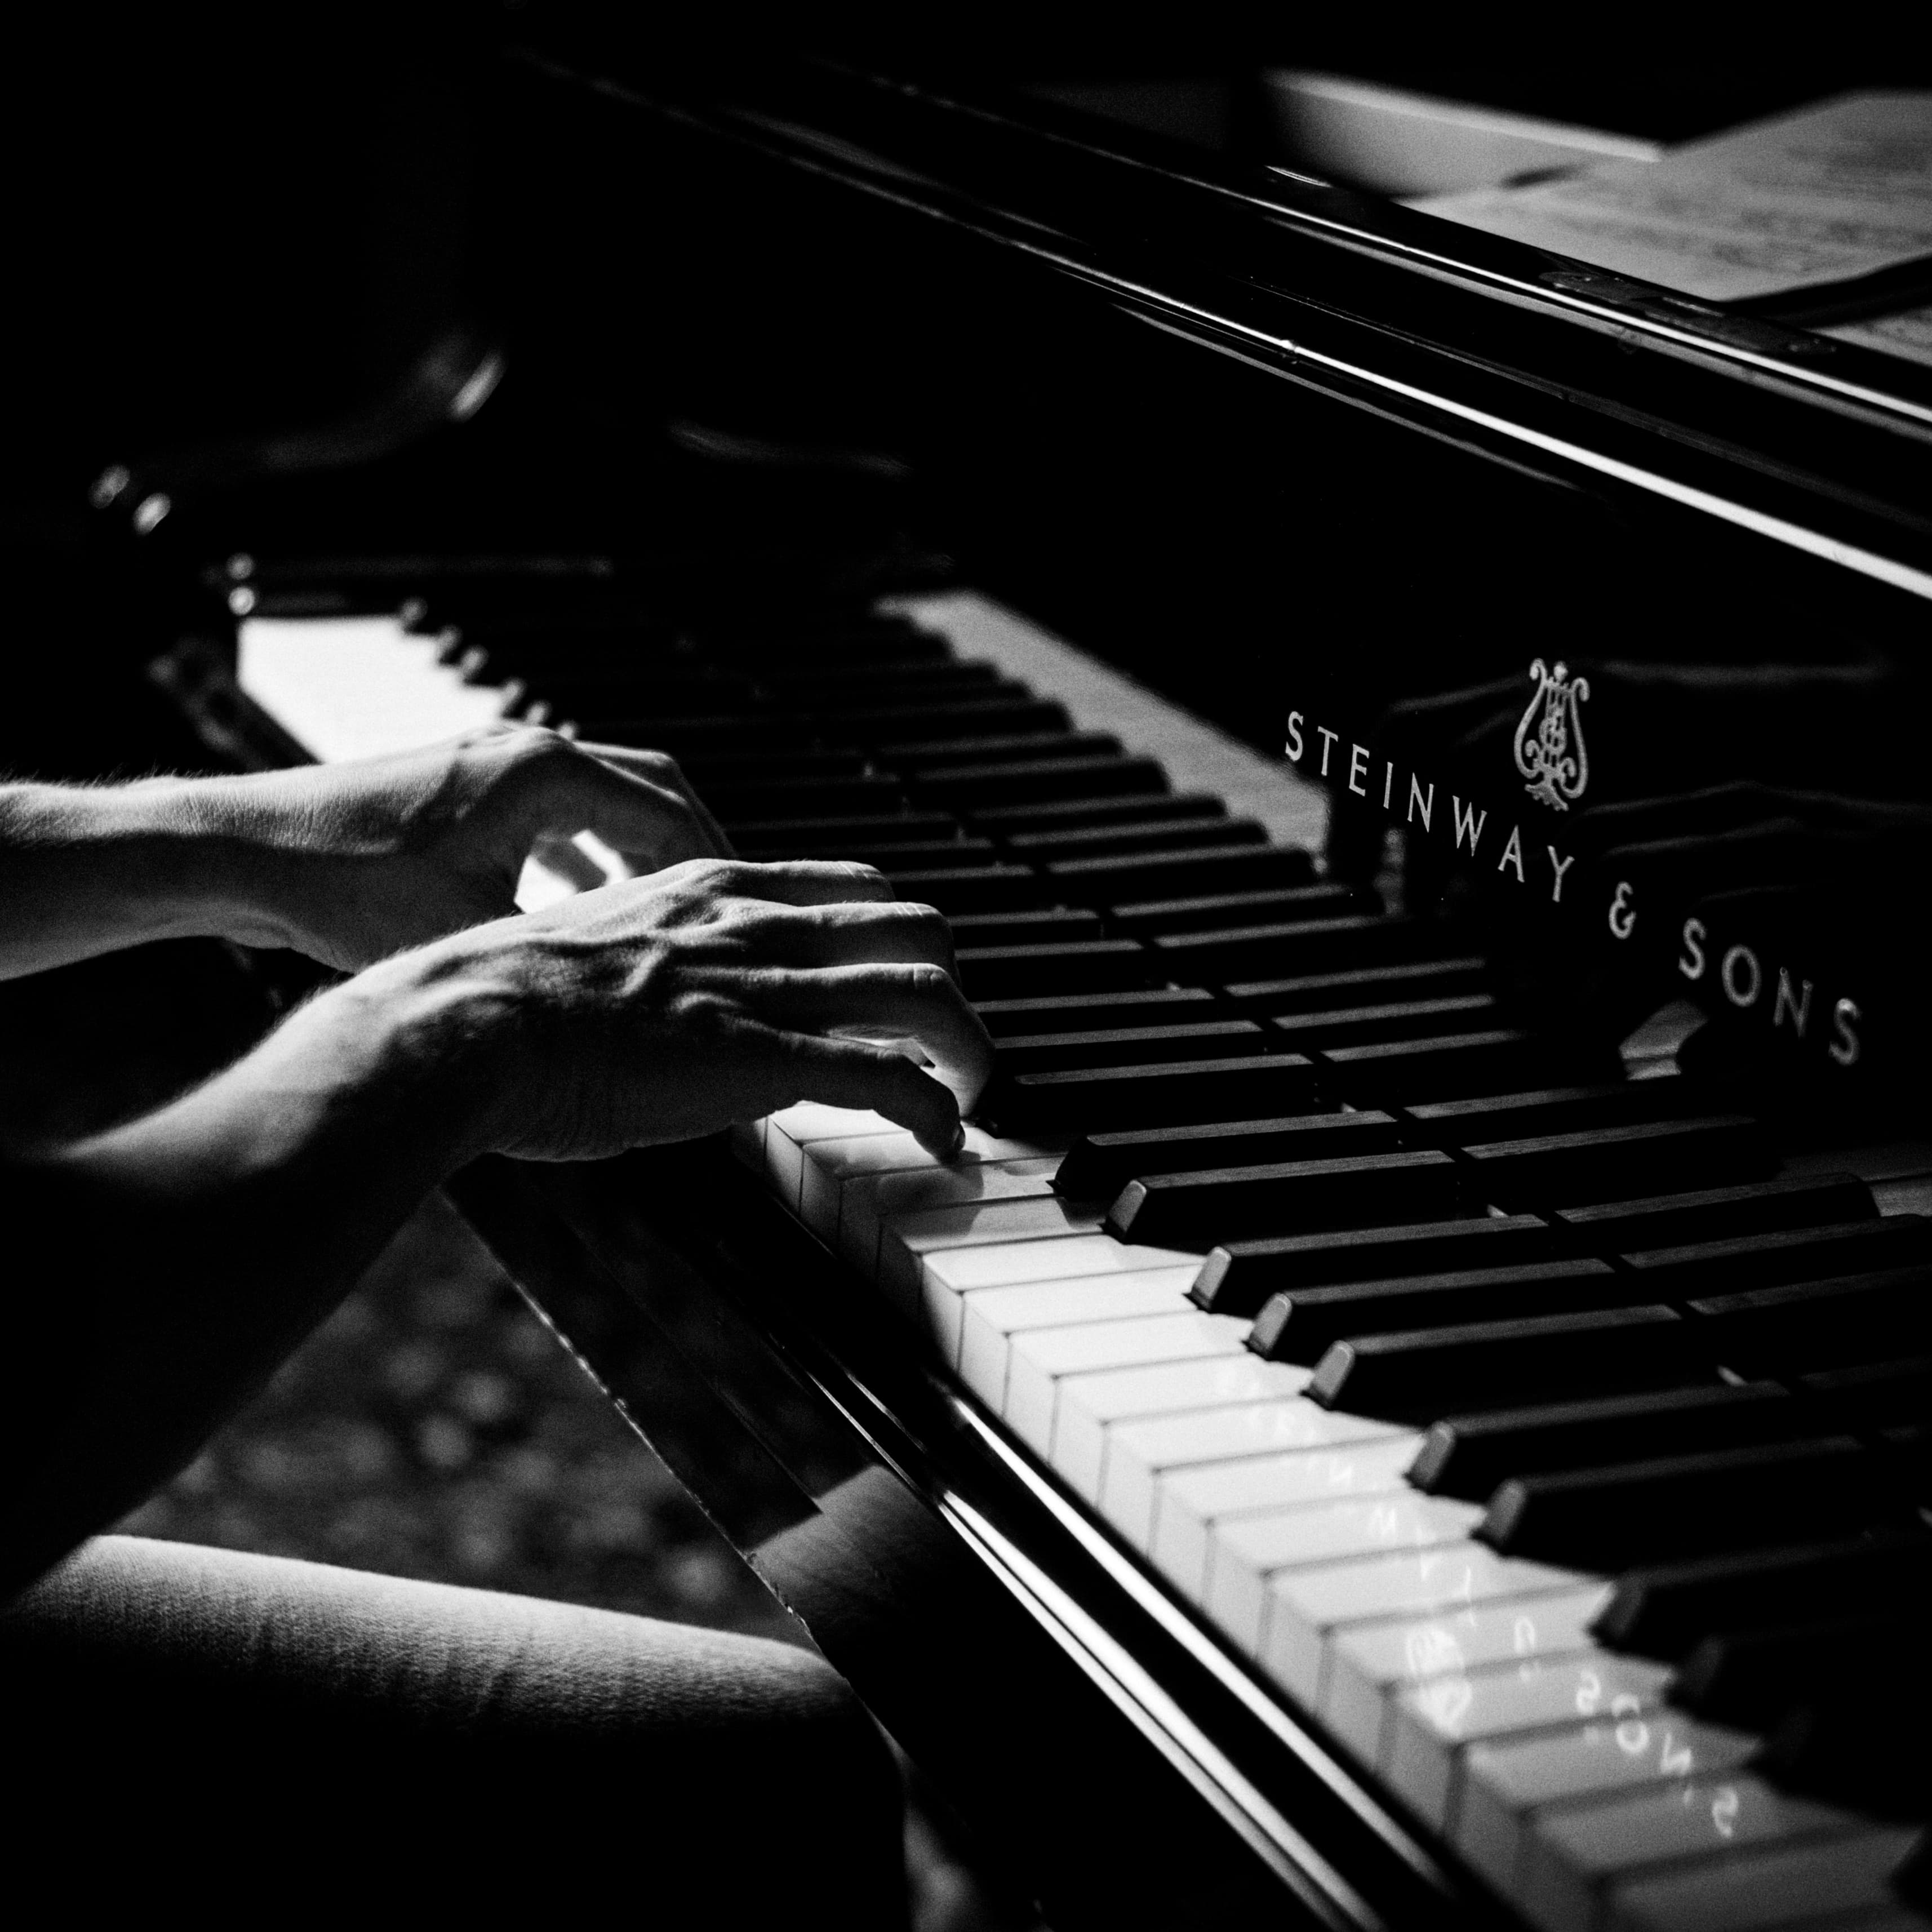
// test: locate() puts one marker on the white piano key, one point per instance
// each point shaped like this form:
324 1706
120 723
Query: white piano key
791 1130
1308 1608
1577 1853
1421 1737
1190 1503
1090 1405
1139 1453
835 1169
1243 1554
1042 1361
907 1241
1506 1785
991 1317
894 1198
357 687
1825 1882
947 1276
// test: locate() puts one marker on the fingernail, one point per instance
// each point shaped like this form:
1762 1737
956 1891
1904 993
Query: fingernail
958 1146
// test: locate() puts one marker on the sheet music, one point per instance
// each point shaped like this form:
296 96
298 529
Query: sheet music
1835 190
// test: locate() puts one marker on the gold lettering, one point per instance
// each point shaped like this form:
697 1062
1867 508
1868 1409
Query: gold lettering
1799 1007
1328 738
1623 914
1294 747
1469 823
1560 867
1741 956
1415 798
1513 852
1693 964
1388 781
1358 766
1846 1015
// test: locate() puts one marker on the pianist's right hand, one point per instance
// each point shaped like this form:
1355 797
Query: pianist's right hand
663 1008
203 1241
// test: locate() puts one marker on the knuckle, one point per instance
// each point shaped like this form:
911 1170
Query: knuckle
925 980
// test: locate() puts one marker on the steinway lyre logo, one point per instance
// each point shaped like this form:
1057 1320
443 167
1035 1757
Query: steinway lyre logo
1549 741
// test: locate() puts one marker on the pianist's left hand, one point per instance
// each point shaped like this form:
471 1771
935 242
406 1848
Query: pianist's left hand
347 862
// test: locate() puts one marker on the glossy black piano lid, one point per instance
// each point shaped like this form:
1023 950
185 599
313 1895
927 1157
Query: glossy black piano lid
1280 447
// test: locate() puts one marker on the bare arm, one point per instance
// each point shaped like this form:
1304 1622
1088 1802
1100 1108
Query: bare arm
346 863
210 1237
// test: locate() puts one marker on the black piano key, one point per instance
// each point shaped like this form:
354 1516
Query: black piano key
1291 947
1468 1456
964 787
765 765
1020 972
1129 1046
1098 1166
1664 1610
1137 835
1868 1395
911 855
1032 925
689 737
1668 1507
1714 1213
1862 1749
1321 992
1750 1678
1398 1019
852 831
1784 1254
1243 870
656 695
880 643
964 892
1151 1095
1062 1012
809 798
1051 814
1004 711
1806 1324
1616 1162
1299 1324
1416 1373
1238 1276
1194 1208
1497 1060
1551 1110
810 687
1233 910
916 758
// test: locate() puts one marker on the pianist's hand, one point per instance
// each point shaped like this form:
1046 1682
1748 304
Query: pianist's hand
663 1008
355 861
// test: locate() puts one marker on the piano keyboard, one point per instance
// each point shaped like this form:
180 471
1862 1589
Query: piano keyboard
1532 1430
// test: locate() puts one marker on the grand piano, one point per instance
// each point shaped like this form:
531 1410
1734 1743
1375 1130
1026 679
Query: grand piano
1411 1409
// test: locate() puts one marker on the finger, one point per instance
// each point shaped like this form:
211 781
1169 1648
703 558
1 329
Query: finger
627 811
921 1001
802 882
847 1073
660 768
878 932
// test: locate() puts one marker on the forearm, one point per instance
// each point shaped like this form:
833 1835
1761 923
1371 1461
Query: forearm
205 1241
86 869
